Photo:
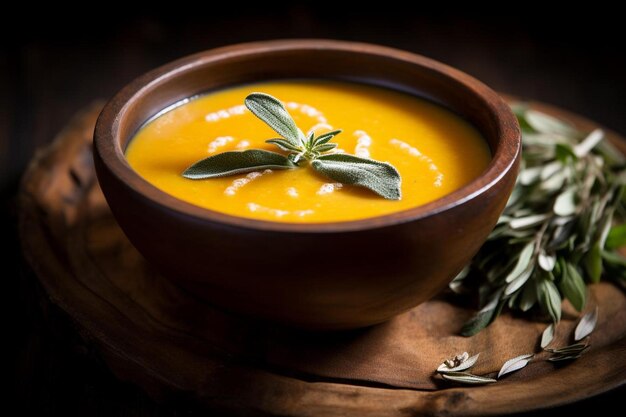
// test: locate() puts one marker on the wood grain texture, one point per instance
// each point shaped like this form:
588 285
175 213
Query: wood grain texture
179 349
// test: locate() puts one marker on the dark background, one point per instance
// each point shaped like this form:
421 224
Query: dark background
53 65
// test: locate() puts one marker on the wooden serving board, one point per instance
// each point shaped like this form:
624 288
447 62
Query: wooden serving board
179 349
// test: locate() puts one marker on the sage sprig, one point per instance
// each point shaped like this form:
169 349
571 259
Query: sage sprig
380 177
456 369
584 328
560 229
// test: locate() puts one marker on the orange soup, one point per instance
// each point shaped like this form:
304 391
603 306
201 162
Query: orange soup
434 150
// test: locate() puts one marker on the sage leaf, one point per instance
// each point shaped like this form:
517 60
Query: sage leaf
456 284
565 203
593 263
522 262
565 153
528 176
515 364
549 170
546 261
325 137
518 282
325 147
614 258
586 325
484 317
284 144
573 286
270 110
544 123
236 162
478 322
570 349
528 298
528 221
617 237
467 378
560 358
379 177
568 353
547 335
551 299
468 363
554 183
590 142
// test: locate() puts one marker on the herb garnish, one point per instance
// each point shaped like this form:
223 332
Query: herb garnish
379 177
560 228
457 368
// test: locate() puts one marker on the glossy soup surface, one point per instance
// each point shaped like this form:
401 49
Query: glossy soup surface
435 151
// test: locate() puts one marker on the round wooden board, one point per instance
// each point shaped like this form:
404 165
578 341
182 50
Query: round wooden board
179 349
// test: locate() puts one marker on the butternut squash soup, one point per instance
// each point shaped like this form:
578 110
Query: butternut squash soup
434 151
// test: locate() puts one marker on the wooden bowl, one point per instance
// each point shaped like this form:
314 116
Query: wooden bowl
324 276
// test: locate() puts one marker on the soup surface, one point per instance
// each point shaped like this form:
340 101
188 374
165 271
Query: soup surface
435 151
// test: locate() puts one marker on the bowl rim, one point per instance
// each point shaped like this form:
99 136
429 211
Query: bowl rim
108 149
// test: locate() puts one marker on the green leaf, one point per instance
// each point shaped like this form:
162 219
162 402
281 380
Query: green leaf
478 322
527 221
380 177
522 262
590 142
325 147
484 317
586 325
550 299
567 353
547 335
236 162
529 176
515 364
593 263
565 203
565 152
546 261
544 123
529 297
310 139
617 237
574 348
456 284
614 258
467 378
272 112
519 281
325 137
567 357
573 287
283 144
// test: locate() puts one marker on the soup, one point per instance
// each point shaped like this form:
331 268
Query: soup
434 150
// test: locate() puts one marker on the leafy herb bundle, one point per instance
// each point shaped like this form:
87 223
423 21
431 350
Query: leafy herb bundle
561 226
379 177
